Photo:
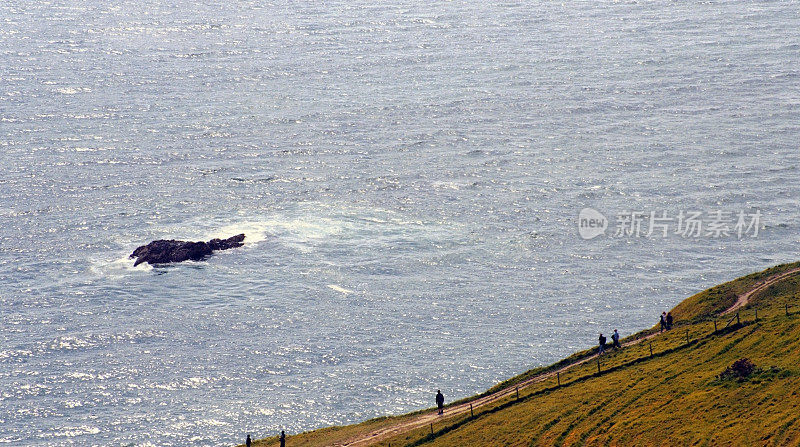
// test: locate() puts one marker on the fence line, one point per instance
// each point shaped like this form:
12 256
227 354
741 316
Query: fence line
456 424
433 435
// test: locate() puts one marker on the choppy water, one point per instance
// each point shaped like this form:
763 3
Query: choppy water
408 175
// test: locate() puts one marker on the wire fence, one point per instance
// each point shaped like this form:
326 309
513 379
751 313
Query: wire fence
649 345
658 344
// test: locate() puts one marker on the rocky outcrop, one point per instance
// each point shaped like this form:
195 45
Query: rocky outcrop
165 252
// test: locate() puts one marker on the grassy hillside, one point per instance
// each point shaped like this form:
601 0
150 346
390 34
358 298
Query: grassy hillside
673 396
711 302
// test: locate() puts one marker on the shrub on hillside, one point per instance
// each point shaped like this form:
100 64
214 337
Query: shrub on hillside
740 369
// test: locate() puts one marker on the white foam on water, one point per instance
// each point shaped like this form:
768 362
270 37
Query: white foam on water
340 289
71 432
314 223
117 267
297 229
72 90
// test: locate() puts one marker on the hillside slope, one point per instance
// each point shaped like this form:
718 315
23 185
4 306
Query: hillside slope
659 389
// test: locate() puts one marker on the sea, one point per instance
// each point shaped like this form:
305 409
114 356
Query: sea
409 176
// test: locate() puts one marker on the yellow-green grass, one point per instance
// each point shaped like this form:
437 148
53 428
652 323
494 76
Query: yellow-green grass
642 400
709 303
337 434
703 306
670 399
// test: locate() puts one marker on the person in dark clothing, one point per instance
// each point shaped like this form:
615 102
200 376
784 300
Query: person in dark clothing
283 439
440 401
615 339
248 443
663 321
602 349
669 320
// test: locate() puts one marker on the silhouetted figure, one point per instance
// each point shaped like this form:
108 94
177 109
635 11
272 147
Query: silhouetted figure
663 321
669 321
248 443
602 349
283 439
440 401
615 339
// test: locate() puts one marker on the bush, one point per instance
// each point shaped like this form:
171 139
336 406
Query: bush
740 369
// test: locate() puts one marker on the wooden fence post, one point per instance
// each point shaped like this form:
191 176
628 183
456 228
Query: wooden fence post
470 410
715 325
517 393
558 377
431 428
651 349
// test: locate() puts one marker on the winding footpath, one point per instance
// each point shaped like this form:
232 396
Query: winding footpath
425 419
744 298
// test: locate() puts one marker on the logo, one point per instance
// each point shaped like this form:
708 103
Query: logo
591 223
686 224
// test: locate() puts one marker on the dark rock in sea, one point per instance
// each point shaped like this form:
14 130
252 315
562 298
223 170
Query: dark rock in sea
164 252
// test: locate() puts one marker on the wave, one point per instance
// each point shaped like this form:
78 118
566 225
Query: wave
117 266
340 289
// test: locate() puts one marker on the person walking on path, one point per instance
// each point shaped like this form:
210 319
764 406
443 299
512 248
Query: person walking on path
248 443
669 320
615 339
663 321
283 439
440 401
602 348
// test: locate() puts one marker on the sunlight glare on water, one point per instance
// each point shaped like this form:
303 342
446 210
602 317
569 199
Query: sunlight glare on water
408 176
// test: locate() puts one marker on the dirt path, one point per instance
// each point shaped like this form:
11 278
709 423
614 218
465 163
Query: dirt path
744 298
428 418
431 417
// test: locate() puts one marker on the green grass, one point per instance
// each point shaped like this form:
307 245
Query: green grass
676 395
711 302
673 397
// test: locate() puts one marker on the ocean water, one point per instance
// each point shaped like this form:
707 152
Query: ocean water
408 175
